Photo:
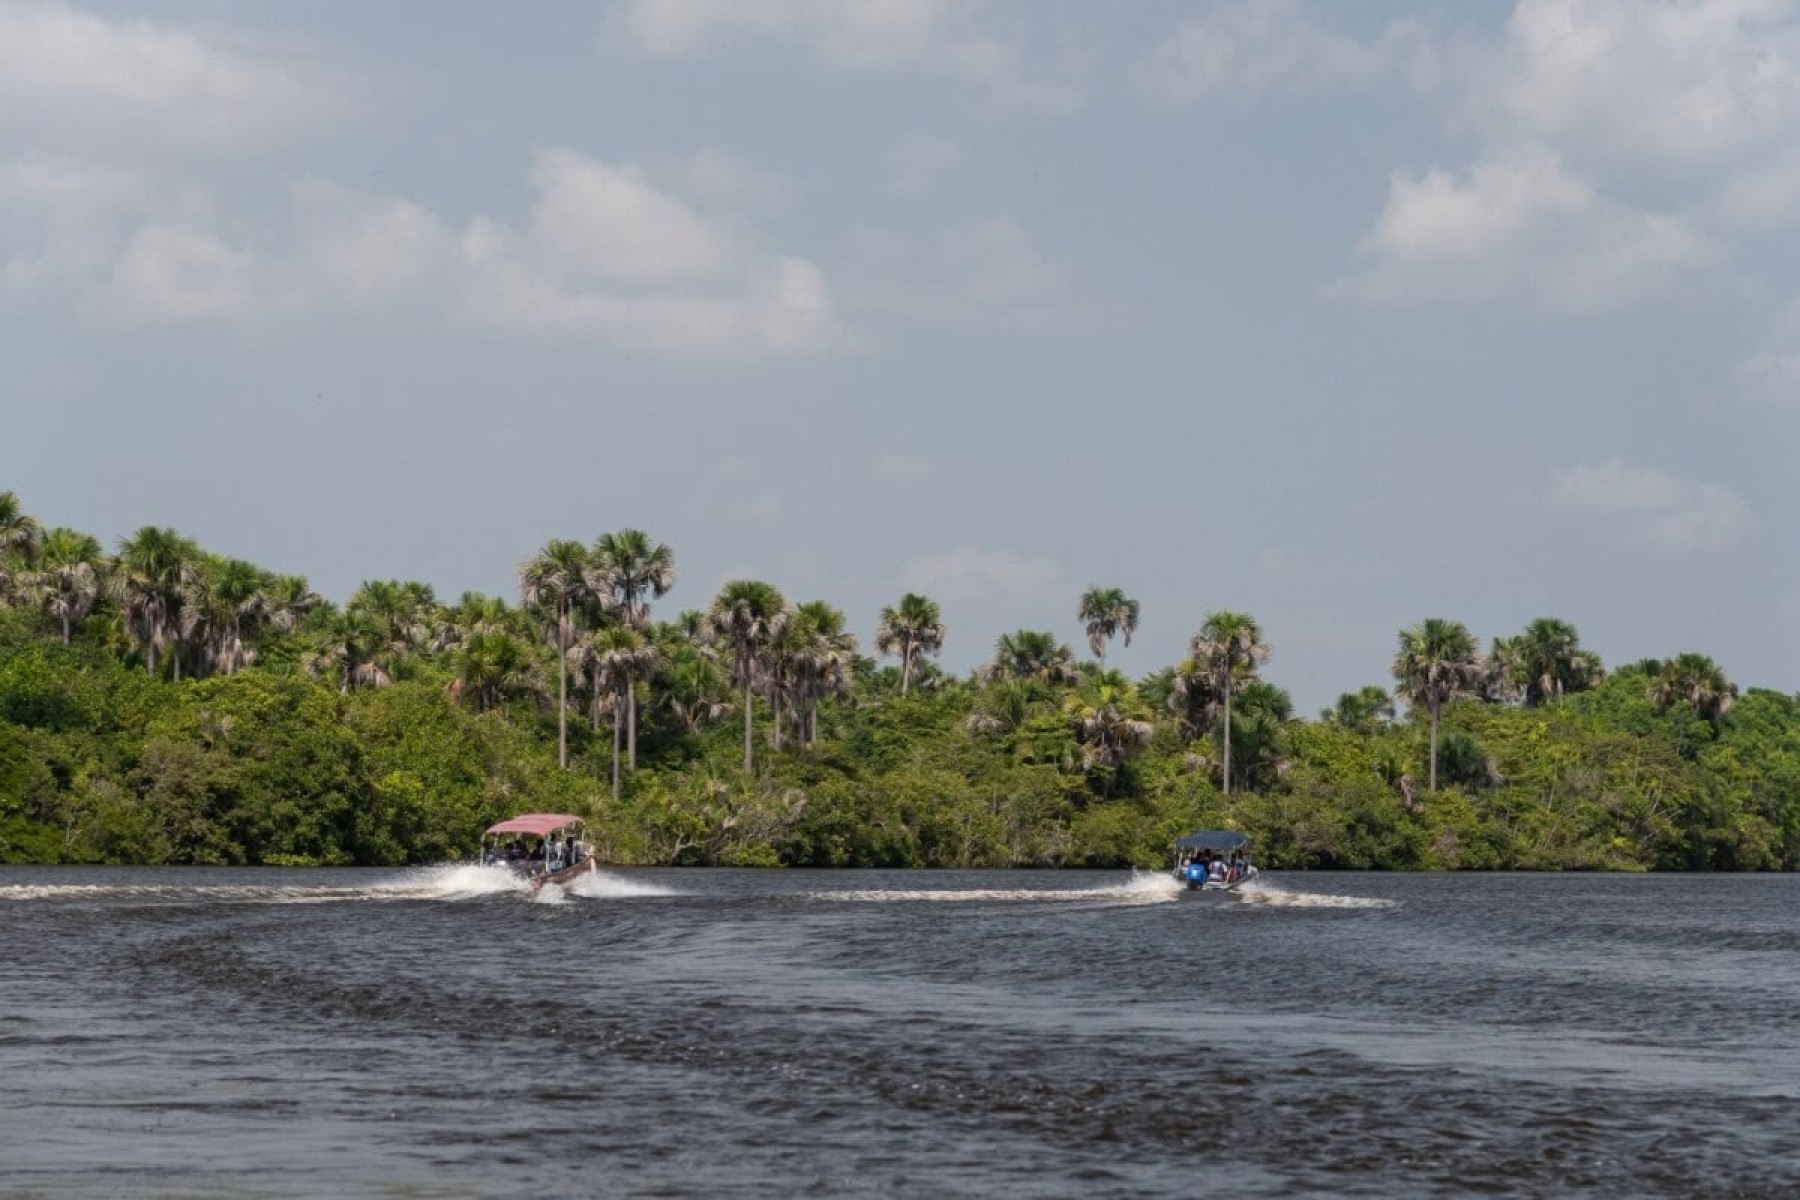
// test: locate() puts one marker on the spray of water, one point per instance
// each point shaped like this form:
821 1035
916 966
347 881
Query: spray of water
600 885
1153 888
1259 892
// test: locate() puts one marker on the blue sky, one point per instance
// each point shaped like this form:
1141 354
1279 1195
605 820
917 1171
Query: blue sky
1343 315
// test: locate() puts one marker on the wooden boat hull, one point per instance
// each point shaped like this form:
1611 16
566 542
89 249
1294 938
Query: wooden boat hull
561 876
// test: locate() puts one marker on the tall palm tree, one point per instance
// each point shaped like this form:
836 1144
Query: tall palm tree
826 654
233 596
557 581
694 688
912 629
349 646
1229 648
745 617
20 534
1437 663
613 657
1364 709
1107 613
1545 663
154 564
1694 680
637 570
1030 654
1193 699
491 664
290 599
1109 725
69 577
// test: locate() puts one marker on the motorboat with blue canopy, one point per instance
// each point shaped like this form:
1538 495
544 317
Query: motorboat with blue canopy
1213 860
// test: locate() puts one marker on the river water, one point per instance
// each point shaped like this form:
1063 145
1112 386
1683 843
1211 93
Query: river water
438 1033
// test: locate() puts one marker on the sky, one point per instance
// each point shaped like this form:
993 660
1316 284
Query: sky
1341 315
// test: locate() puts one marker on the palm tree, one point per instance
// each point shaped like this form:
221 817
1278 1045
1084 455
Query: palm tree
1030 654
1364 709
1697 681
825 654
694 688
20 534
1544 663
68 581
557 580
1193 699
289 600
233 593
1437 663
1109 726
349 646
154 565
913 629
491 664
745 617
637 571
1229 648
612 658
1107 612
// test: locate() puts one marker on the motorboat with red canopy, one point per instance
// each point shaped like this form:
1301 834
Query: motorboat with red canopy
539 847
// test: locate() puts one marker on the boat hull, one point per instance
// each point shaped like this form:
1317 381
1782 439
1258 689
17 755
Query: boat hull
537 879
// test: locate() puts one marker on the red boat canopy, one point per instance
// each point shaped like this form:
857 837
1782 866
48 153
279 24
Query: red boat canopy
536 824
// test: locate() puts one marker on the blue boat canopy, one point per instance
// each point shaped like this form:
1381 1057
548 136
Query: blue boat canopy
1212 839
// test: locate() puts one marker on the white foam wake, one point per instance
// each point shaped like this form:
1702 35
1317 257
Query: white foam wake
1154 888
601 885
1258 892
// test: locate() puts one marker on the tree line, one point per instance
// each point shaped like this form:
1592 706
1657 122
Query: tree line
162 703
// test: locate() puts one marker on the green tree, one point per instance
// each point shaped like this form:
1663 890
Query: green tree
20 534
1111 725
636 570
1365 710
823 655
1437 663
612 658
1107 613
491 665
1228 649
557 581
1544 663
69 578
1696 681
348 647
912 629
153 566
745 618
1030 654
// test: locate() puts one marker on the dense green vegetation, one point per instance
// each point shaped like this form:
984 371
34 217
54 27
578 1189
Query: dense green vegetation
163 704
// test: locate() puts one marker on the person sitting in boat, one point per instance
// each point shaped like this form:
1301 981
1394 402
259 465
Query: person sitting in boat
1235 871
1215 871
515 850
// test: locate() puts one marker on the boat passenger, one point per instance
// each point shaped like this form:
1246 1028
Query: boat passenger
1215 871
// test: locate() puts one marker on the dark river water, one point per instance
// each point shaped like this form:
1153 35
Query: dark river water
681 1033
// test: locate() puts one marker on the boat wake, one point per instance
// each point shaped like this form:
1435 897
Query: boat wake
1267 894
1139 889
600 885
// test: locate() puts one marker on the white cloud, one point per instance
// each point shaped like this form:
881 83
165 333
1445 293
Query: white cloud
1673 81
606 256
916 164
1520 224
182 274
1656 509
715 176
851 35
969 573
69 78
1239 51
1764 194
